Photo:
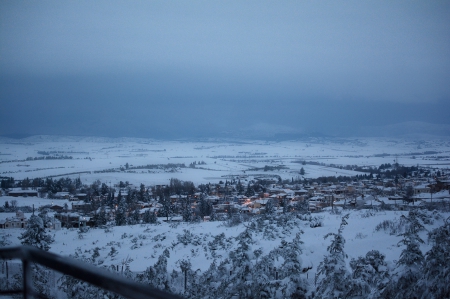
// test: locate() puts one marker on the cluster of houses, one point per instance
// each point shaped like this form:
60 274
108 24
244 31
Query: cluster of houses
225 199
21 221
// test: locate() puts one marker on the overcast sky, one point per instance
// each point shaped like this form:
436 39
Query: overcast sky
222 68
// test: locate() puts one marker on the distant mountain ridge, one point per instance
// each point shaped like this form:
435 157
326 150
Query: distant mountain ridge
265 131
407 129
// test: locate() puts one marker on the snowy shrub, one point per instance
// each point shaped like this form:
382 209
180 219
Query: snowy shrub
159 238
394 227
427 217
174 224
314 221
187 238
194 253
95 254
304 217
270 232
112 243
113 252
336 211
286 221
109 228
4 240
124 236
368 213
220 242
135 244
360 236
84 229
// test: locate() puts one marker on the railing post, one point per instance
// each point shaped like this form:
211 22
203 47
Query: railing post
27 280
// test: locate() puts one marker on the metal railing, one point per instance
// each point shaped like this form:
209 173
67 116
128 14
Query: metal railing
80 270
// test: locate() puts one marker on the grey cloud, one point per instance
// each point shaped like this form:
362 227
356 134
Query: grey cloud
203 68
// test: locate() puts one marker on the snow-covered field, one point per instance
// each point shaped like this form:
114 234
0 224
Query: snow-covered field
102 158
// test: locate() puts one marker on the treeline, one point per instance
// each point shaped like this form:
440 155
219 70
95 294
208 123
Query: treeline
47 153
155 166
49 158
386 170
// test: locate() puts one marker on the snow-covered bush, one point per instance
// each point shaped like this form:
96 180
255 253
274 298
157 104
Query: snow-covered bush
360 235
220 242
159 238
187 238
314 221
394 227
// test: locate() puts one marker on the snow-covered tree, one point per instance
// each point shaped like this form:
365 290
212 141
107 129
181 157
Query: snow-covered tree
134 218
370 275
121 216
249 191
207 281
410 262
264 282
302 206
101 218
294 285
286 207
334 278
158 276
241 259
205 207
36 234
167 208
270 207
186 209
435 280
149 217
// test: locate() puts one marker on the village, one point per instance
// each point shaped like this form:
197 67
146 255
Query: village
94 206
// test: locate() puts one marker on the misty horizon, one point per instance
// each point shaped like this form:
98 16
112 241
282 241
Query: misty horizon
201 70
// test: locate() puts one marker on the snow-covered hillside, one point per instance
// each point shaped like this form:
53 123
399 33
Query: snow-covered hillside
202 244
